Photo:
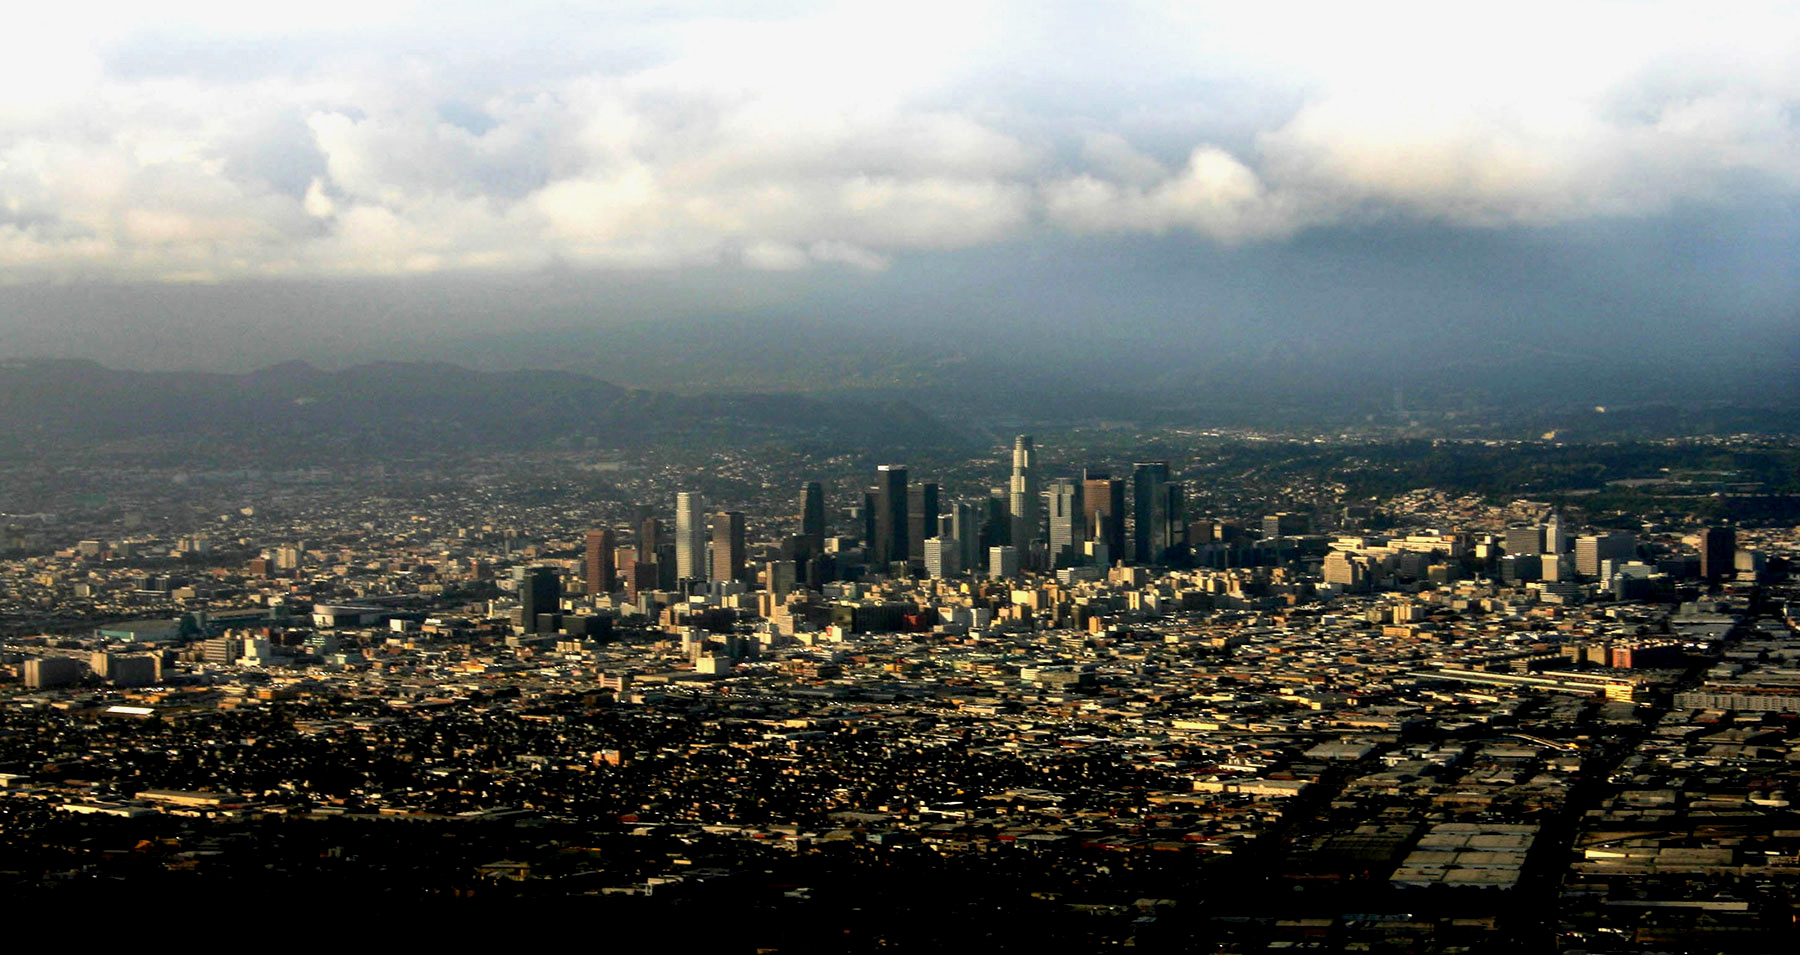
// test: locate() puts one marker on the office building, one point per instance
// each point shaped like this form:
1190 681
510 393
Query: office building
641 574
1155 512
1284 524
781 577
889 543
601 578
540 598
921 519
1718 553
812 517
996 520
1103 510
965 527
690 536
1525 539
43 672
941 557
1067 525
1003 562
1518 568
1023 495
728 546
138 669
1592 550
867 514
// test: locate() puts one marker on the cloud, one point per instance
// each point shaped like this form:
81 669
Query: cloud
1214 195
400 139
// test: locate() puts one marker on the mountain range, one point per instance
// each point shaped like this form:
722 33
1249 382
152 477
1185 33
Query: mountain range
64 404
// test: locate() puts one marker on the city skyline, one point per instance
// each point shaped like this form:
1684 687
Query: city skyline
964 476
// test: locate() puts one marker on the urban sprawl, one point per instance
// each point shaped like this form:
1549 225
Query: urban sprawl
1113 706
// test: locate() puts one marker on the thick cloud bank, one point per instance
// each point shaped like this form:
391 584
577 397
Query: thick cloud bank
217 142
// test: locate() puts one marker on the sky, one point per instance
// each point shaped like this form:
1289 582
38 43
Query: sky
225 184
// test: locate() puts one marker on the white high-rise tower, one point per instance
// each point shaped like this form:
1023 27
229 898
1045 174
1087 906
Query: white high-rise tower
690 536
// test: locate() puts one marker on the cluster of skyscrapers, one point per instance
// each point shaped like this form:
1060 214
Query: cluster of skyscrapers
907 529
1094 521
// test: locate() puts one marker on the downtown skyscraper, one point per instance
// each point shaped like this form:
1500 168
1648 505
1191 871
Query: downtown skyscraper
728 546
812 517
1022 497
1066 522
601 577
1155 512
888 542
540 597
921 519
1103 512
690 536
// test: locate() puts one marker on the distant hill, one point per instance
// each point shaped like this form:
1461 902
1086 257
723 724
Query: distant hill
414 407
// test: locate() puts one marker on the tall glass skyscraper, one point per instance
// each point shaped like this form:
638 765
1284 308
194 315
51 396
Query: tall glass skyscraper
1023 496
690 536
890 524
1066 522
812 517
1155 511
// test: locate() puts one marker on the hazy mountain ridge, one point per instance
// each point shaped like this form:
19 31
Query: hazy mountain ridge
402 406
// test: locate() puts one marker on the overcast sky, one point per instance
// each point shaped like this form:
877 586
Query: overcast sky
1642 153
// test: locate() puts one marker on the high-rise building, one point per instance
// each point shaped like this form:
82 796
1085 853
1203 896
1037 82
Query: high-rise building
868 522
781 576
1593 550
42 672
601 578
650 537
1023 494
690 536
1066 524
1103 511
138 669
1555 538
942 557
641 572
996 519
921 518
728 545
624 565
1003 562
812 517
1284 524
1155 512
665 567
1525 539
965 527
891 523
540 598
1174 518
1718 553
